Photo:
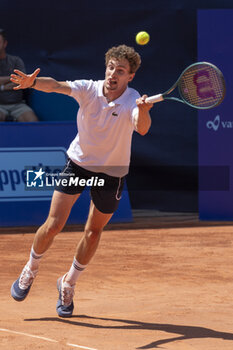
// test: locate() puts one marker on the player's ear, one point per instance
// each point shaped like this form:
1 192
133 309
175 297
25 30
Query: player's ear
131 76
5 43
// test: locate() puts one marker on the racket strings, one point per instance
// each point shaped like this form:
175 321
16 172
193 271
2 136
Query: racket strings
202 86
202 91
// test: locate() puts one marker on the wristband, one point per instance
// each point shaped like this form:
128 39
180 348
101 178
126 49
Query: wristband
33 84
2 87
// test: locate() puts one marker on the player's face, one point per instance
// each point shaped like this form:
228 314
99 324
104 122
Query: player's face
117 75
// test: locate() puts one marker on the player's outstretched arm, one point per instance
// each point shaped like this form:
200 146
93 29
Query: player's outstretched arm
45 84
142 121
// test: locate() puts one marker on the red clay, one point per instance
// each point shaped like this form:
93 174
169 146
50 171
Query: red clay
168 288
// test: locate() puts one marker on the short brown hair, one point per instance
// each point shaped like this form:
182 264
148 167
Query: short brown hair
123 51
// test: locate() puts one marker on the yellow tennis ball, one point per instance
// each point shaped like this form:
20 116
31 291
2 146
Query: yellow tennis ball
142 38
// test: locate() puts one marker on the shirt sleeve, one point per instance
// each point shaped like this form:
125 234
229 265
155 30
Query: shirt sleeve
81 89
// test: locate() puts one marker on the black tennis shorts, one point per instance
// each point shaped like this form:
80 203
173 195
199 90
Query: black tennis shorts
105 190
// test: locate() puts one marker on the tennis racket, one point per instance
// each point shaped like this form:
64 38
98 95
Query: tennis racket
200 85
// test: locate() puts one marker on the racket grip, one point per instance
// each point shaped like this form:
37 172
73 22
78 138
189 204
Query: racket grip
155 98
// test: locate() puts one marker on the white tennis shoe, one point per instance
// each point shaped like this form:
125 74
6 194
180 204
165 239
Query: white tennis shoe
21 287
65 305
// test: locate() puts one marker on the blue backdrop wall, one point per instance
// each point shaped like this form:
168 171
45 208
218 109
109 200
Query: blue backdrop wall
68 39
216 126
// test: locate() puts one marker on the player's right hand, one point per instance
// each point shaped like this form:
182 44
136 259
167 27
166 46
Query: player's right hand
22 80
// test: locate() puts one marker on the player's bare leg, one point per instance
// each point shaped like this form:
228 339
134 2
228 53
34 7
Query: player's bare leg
59 212
92 233
84 253
61 206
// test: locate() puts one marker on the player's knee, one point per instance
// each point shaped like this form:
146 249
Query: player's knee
53 227
92 235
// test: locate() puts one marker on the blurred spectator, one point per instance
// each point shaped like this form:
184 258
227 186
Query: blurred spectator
12 105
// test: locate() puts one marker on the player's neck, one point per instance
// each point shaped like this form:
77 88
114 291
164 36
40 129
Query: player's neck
112 95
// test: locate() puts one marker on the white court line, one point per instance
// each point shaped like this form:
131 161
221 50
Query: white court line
28 335
43 338
79 346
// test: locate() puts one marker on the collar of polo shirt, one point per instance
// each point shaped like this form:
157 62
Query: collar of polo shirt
118 101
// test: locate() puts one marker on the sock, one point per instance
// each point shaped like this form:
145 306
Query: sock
34 260
75 271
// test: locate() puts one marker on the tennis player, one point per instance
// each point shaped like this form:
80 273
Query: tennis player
109 113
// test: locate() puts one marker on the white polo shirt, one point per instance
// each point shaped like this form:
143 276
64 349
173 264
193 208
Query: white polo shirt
103 142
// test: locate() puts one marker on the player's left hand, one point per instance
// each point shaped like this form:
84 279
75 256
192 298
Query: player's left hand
142 104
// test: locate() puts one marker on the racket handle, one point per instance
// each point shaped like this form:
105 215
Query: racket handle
155 98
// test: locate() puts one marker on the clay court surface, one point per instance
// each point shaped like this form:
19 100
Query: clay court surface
159 283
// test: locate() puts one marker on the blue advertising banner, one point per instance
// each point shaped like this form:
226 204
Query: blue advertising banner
27 150
215 32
